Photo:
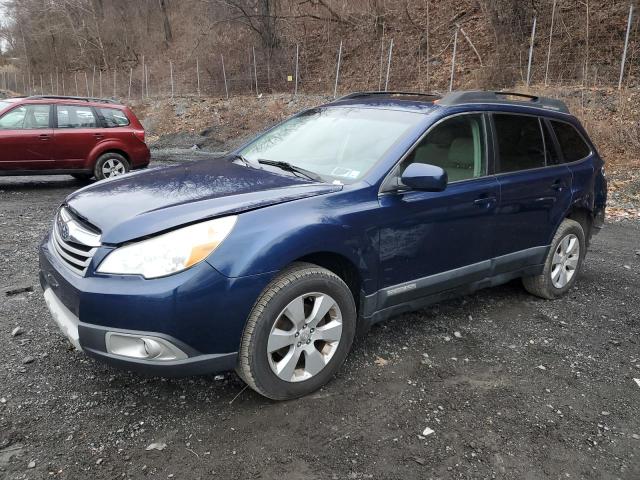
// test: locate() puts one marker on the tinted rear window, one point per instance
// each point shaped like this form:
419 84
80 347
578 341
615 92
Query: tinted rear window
571 142
520 144
114 117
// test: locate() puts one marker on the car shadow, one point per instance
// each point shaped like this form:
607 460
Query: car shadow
45 182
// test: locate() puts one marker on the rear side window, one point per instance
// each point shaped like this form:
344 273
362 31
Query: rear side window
113 117
26 117
571 142
74 116
520 144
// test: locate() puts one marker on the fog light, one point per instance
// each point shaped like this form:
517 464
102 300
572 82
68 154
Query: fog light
142 347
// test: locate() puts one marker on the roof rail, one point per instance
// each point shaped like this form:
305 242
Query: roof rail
65 97
383 93
479 96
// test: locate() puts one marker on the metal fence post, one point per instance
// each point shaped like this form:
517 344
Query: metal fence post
99 82
171 74
143 77
114 82
224 76
86 81
130 78
41 84
381 58
295 91
198 74
335 87
255 69
146 80
453 59
93 82
553 17
626 43
75 79
386 82
533 36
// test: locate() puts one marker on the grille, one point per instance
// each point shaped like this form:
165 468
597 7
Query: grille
74 242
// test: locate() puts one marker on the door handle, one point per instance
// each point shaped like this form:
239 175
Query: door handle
558 185
99 136
44 136
483 200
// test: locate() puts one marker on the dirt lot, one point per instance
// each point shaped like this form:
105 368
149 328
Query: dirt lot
513 386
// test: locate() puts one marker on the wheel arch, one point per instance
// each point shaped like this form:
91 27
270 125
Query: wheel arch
584 217
101 149
342 266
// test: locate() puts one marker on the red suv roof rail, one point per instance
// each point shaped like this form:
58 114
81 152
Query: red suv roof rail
63 97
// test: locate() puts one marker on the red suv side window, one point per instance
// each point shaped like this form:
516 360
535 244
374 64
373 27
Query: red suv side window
75 116
113 117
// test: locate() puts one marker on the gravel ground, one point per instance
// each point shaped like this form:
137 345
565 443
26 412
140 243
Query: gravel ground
512 386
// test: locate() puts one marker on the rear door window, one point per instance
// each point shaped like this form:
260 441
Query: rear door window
113 117
520 142
571 142
75 116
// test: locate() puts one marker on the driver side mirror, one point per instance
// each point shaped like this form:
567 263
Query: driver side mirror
422 176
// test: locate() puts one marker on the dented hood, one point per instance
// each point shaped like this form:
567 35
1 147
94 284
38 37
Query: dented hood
144 203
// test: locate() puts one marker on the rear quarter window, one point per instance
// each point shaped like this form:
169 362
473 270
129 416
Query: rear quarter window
113 117
571 142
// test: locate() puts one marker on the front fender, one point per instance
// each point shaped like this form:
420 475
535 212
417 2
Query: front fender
269 239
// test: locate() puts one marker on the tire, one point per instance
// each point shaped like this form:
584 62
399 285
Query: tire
549 283
109 165
306 360
83 177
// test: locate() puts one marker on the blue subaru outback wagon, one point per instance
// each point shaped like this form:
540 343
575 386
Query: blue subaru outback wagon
270 260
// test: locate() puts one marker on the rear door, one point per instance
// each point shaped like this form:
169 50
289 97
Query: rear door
77 132
26 138
535 190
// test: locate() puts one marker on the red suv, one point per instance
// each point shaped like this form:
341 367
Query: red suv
79 136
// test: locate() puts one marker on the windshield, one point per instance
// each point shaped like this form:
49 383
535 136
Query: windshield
4 105
341 144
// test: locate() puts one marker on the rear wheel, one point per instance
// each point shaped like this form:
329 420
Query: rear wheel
110 165
562 264
298 334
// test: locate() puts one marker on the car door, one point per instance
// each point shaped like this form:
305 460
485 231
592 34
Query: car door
26 138
77 131
434 241
535 190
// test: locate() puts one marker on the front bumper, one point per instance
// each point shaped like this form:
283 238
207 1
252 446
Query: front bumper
199 311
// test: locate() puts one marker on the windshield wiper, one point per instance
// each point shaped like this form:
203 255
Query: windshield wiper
286 166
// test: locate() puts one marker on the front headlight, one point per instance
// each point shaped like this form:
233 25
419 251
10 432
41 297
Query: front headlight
170 252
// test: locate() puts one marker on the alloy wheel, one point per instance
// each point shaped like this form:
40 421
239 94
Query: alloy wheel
304 337
565 261
113 167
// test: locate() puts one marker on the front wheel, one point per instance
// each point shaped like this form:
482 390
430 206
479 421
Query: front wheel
298 334
110 165
562 264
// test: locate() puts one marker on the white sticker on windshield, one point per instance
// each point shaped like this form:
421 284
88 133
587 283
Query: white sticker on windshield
345 172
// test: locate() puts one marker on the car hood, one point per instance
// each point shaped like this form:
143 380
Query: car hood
144 203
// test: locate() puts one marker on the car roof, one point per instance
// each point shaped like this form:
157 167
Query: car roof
58 99
428 101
